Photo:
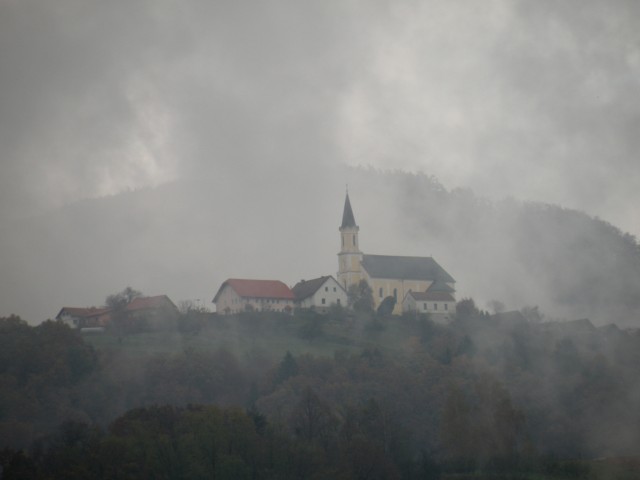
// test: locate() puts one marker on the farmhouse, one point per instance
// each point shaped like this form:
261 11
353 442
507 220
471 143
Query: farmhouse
149 309
237 295
319 293
150 312
87 317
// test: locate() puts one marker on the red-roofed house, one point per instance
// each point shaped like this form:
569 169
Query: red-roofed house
151 305
89 317
150 310
237 295
153 312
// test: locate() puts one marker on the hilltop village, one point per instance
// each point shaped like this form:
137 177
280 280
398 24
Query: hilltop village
410 283
402 283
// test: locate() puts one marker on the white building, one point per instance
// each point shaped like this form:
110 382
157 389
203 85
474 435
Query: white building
438 301
319 293
237 295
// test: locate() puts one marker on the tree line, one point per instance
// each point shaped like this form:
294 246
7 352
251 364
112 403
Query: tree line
501 393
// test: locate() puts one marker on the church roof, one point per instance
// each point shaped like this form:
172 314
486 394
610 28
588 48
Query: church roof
404 268
348 220
433 296
440 286
257 288
305 288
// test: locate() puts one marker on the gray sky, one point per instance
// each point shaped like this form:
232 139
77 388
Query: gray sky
538 100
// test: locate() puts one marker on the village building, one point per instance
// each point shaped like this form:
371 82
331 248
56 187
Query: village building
438 301
319 293
387 275
237 295
150 307
85 317
154 310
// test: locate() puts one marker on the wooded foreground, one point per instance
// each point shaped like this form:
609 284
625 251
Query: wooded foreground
379 397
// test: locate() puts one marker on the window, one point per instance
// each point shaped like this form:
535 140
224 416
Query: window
326 289
446 306
354 240
395 293
343 241
435 306
334 289
380 292
323 301
338 301
425 306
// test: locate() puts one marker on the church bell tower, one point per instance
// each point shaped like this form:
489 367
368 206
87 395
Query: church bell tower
350 256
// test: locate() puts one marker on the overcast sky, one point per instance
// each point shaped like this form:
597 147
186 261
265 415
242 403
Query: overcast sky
534 99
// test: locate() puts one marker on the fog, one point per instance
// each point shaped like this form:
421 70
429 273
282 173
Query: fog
170 145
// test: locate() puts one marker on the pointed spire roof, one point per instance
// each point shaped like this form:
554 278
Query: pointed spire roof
348 219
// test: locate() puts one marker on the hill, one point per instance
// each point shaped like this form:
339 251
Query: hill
499 394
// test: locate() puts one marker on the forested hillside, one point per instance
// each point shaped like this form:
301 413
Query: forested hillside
379 397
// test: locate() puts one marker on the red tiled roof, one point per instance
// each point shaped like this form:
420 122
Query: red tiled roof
257 288
83 312
146 303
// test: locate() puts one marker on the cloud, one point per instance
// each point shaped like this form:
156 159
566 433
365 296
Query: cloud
70 125
511 98
538 101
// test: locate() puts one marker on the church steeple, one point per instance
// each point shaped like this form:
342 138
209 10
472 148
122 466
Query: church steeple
350 256
348 219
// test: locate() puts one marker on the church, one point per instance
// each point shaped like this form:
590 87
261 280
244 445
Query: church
417 283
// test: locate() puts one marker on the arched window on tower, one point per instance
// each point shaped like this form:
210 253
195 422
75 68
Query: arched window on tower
395 293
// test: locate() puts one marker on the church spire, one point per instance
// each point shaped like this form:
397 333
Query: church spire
350 256
348 219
